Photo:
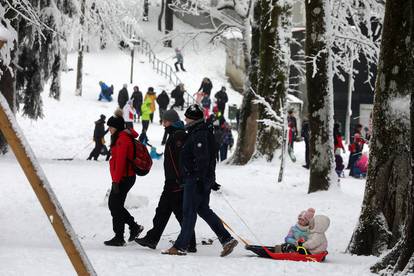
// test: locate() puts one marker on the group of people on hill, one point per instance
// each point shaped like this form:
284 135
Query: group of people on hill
202 97
141 108
189 167
358 160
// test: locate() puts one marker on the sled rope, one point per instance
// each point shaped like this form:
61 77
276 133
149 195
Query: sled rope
240 238
241 219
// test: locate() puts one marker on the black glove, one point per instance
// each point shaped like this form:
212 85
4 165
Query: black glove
115 188
216 186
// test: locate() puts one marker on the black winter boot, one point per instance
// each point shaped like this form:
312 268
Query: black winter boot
134 231
146 242
115 241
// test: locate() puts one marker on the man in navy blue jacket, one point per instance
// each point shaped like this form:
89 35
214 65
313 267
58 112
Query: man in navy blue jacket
198 166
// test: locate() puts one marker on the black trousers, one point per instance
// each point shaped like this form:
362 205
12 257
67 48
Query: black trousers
170 202
120 215
96 150
181 65
221 108
145 125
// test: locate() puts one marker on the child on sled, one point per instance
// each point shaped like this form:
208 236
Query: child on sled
310 239
299 231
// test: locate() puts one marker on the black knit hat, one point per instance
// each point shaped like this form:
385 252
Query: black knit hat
103 117
194 112
116 122
171 116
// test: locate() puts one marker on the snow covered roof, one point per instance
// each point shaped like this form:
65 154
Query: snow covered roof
293 99
232 33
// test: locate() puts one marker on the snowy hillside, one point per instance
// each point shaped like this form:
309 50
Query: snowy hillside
28 245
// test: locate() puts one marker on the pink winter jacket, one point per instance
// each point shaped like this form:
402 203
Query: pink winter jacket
317 241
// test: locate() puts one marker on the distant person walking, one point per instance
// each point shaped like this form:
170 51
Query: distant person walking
123 96
98 137
123 178
153 97
180 60
206 86
178 95
145 114
305 135
128 112
137 99
221 99
163 100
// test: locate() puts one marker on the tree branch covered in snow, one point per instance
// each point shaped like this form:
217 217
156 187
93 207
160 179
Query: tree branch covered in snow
276 120
355 34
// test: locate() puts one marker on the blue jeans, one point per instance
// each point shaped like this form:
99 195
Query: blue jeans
196 201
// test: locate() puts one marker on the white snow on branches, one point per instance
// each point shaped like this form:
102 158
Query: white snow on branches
8 37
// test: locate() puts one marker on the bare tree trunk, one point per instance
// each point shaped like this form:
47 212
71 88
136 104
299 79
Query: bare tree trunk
320 94
246 141
349 104
387 215
169 22
79 72
55 88
161 16
272 78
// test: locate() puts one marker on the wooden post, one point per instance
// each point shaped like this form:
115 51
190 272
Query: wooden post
132 63
43 190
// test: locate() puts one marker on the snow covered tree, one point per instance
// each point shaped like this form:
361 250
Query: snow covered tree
387 215
40 42
81 47
320 93
273 72
246 141
8 38
169 22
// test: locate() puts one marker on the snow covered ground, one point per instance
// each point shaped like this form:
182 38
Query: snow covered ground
28 245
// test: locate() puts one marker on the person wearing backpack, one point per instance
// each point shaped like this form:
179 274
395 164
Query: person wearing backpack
123 178
198 165
171 200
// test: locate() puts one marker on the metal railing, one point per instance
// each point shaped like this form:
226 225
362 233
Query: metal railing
160 66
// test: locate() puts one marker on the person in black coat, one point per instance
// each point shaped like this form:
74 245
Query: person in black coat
171 200
137 98
197 165
162 100
178 95
123 96
221 99
98 135
206 86
305 135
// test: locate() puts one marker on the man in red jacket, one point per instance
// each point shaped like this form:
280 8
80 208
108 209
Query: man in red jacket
123 178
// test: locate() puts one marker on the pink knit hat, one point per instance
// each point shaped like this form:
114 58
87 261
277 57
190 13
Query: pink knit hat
307 215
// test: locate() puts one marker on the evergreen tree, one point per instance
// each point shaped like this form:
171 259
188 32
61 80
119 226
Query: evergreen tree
387 215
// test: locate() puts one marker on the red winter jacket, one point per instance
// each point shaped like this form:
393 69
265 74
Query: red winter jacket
122 151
